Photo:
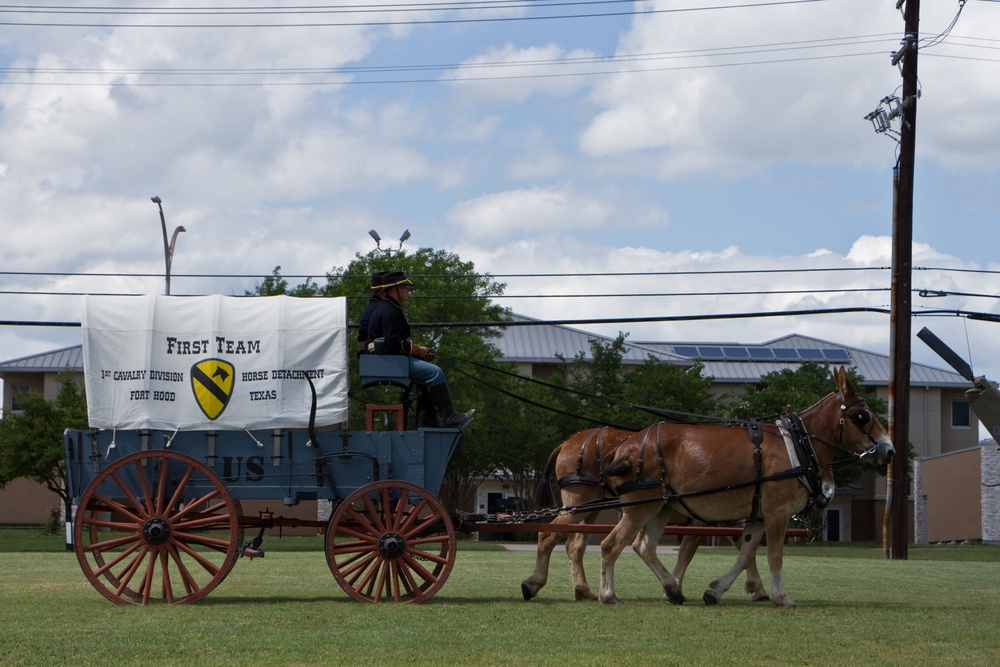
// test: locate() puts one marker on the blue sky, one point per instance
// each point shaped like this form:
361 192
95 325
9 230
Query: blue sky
674 138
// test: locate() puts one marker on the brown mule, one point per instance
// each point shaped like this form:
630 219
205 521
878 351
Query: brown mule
715 473
576 466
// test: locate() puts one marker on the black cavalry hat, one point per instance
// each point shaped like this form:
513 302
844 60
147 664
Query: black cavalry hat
377 280
394 278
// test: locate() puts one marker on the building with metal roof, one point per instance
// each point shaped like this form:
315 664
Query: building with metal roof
940 419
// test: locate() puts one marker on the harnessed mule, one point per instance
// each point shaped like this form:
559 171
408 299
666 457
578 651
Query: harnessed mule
576 466
726 474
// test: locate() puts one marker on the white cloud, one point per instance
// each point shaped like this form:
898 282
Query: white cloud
512 73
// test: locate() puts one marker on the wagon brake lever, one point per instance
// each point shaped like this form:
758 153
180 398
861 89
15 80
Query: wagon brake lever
259 443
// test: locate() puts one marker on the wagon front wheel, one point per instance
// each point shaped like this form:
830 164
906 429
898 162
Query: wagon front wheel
390 541
157 526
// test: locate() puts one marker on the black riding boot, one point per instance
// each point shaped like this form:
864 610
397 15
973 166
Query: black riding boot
426 414
447 416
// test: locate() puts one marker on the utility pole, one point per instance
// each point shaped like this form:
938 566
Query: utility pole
902 270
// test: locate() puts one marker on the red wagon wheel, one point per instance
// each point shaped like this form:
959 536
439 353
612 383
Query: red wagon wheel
157 526
391 541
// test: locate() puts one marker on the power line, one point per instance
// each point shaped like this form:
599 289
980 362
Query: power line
575 274
988 317
414 80
358 9
504 276
744 49
620 295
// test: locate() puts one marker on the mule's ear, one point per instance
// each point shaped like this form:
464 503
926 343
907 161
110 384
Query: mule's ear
843 383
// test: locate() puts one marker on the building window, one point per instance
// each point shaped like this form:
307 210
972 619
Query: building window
960 416
15 391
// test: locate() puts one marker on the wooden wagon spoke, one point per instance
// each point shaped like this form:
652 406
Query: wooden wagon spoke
201 522
101 503
353 547
190 585
141 510
413 514
409 582
427 555
374 515
120 557
415 565
127 573
147 580
178 492
166 589
146 492
359 566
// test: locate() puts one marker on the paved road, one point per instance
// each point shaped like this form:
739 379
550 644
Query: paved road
591 548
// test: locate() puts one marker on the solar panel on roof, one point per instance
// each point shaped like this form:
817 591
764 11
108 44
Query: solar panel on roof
710 352
786 354
735 353
760 353
686 350
810 354
836 355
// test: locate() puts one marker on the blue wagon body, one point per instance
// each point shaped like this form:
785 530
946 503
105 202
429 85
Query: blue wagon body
276 464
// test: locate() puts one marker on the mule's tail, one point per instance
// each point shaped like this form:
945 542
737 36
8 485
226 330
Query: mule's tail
615 465
543 492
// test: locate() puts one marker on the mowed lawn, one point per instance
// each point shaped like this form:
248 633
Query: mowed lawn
940 607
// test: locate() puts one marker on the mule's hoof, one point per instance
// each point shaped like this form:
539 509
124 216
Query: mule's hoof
787 603
526 592
610 600
760 597
710 597
675 598
581 593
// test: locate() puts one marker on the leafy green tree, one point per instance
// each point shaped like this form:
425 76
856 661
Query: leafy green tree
635 396
799 389
31 442
594 391
448 306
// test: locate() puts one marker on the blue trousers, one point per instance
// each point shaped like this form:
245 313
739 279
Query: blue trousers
425 373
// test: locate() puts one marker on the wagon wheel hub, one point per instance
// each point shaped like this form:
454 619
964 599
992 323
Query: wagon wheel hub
156 531
391 545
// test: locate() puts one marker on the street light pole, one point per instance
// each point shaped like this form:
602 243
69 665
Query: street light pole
168 248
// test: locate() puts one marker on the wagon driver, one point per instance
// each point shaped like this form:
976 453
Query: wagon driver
376 294
389 333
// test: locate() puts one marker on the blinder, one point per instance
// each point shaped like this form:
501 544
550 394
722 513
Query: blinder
861 416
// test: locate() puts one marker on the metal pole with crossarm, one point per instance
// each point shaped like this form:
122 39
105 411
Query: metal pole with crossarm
168 248
902 270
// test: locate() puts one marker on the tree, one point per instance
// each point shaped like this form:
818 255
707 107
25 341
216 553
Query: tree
449 303
629 396
799 389
31 442
601 390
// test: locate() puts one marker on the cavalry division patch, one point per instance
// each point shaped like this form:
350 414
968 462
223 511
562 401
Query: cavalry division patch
212 382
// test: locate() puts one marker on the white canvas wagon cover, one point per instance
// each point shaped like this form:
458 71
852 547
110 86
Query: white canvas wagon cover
214 362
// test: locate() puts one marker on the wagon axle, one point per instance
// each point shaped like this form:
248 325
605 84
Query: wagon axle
392 545
156 531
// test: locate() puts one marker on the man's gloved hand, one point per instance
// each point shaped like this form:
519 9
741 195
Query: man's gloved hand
421 352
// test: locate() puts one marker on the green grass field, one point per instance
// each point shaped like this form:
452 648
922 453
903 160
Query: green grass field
940 607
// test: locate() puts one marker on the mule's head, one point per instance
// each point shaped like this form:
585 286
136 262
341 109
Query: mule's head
861 430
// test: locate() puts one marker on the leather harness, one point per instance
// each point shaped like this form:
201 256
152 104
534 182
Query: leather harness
807 472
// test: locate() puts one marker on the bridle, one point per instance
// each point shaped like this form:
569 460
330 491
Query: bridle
858 413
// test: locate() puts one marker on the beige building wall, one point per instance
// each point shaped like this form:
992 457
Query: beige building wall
949 507
26 502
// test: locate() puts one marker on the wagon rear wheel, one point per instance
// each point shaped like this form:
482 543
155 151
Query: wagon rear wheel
157 526
390 541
